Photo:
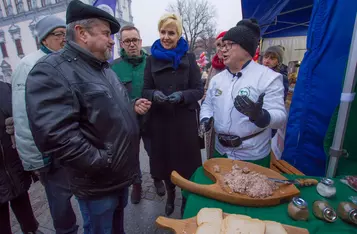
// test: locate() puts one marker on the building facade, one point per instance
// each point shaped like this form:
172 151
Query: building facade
17 27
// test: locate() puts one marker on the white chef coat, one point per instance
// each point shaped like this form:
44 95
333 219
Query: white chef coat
224 87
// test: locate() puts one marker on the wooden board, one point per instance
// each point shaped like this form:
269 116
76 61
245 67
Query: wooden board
220 191
189 226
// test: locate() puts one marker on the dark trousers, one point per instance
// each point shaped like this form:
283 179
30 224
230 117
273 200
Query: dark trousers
22 209
147 148
59 200
104 215
169 185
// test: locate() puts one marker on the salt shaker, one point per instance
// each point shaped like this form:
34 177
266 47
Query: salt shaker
347 211
298 209
326 188
322 210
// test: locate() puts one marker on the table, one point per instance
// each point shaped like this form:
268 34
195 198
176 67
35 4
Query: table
277 213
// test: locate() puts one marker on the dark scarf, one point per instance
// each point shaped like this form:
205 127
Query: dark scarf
135 61
45 49
217 63
174 55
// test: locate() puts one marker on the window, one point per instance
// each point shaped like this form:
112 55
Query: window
8 7
3 50
29 5
45 2
19 6
20 51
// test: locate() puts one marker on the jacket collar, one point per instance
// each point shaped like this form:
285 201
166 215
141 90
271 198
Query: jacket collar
72 51
160 64
241 71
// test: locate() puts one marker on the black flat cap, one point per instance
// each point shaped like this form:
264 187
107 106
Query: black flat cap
78 10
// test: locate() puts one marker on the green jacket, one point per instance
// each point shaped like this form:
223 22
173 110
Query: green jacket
131 72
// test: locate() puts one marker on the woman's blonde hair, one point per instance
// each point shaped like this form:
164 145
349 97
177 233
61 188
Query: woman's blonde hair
169 19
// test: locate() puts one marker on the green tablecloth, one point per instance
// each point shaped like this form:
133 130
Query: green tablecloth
276 213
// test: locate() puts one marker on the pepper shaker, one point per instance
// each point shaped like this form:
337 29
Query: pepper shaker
326 188
347 211
298 209
322 210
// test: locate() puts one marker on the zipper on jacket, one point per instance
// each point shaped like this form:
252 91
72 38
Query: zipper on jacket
6 171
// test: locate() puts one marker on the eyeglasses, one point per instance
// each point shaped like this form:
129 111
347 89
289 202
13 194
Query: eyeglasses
58 34
227 45
135 41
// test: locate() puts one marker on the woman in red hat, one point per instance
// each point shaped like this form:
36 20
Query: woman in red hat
217 61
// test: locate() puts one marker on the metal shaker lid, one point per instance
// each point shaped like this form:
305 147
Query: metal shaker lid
353 216
327 181
299 202
329 215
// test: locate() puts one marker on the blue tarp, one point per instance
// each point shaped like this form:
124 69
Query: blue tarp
321 74
318 90
279 18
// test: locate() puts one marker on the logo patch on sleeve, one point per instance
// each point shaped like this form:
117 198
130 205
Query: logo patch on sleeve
218 92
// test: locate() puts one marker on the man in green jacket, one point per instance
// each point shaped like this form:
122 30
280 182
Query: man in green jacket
130 71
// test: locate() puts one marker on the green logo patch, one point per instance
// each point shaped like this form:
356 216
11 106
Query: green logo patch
218 92
244 92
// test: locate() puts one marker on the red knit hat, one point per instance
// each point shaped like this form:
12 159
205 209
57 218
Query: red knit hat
221 35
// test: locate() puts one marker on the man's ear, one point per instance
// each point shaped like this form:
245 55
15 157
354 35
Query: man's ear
44 42
81 34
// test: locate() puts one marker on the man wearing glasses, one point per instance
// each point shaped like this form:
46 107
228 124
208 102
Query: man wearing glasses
130 71
246 100
51 32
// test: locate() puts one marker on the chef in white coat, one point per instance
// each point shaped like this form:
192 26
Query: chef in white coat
246 100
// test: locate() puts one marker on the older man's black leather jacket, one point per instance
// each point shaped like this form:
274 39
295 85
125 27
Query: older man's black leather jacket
80 114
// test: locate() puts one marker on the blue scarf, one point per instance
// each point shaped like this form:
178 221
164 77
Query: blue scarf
45 49
174 55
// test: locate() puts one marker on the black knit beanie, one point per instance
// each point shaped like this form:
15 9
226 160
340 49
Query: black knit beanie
246 33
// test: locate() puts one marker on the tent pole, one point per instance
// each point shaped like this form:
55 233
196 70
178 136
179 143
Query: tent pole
336 150
297 9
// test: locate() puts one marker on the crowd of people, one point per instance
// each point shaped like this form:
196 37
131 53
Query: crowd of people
75 121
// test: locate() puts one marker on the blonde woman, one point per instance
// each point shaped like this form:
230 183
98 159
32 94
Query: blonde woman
172 81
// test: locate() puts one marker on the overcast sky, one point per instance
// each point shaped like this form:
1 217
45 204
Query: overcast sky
146 14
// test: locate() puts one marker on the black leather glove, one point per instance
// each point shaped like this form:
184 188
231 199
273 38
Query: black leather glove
206 124
254 110
159 97
175 97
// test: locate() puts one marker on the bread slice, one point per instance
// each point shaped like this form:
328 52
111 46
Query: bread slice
237 216
235 225
209 215
209 228
232 218
274 228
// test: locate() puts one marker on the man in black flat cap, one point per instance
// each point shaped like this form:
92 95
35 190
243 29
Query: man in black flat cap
80 114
